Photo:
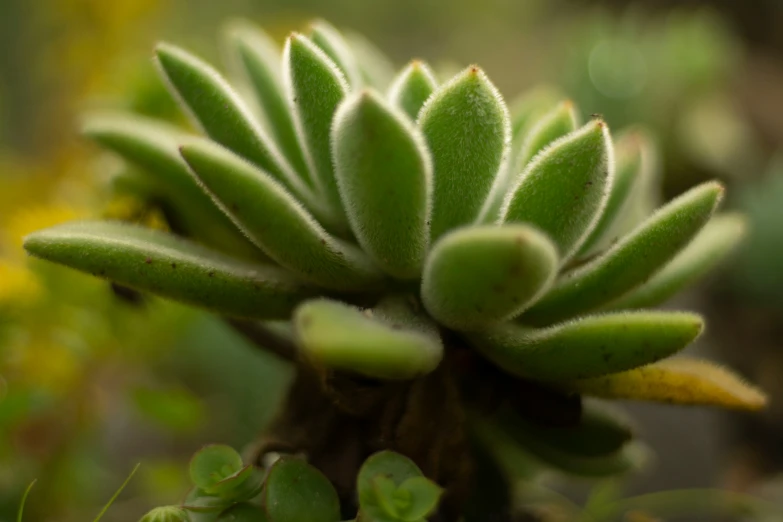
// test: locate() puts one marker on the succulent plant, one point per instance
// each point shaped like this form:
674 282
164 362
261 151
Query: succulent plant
444 273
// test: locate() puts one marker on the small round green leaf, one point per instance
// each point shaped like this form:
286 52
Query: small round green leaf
297 492
385 495
466 126
421 498
412 87
165 265
314 87
563 191
222 114
391 343
481 276
389 464
243 512
384 174
277 224
214 463
166 514
631 261
590 346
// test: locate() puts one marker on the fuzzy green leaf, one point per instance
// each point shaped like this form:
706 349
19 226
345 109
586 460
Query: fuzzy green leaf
257 55
222 114
315 87
588 347
162 264
466 125
679 381
278 224
628 166
480 276
555 124
563 191
331 41
715 241
376 69
153 147
631 261
412 87
384 174
529 107
421 497
297 492
390 343
214 463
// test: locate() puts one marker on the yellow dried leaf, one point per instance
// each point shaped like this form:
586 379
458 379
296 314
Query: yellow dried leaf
677 381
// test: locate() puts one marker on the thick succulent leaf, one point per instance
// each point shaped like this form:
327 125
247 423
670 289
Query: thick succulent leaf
412 87
392 342
330 41
531 105
384 174
221 113
631 261
277 224
162 264
628 167
480 276
646 195
257 55
555 124
715 241
315 87
588 347
525 111
565 453
153 148
677 381
297 492
376 68
466 125
563 191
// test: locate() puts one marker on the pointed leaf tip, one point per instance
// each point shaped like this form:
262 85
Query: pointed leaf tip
589 346
412 87
221 113
385 184
677 381
564 190
174 268
632 260
713 244
481 276
466 125
314 87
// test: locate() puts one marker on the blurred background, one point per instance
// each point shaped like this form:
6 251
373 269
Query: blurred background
94 379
